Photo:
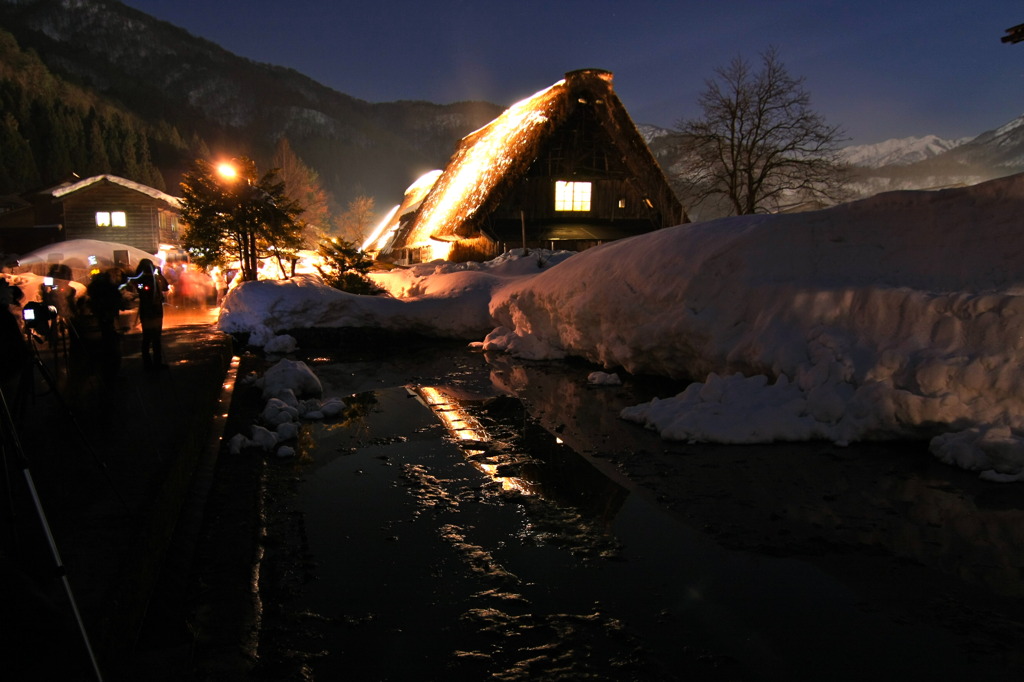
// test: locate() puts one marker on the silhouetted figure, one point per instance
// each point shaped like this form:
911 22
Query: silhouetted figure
105 304
16 365
150 286
59 293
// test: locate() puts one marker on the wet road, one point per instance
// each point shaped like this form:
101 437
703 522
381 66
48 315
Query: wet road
439 532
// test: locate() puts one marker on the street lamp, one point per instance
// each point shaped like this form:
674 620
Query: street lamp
227 171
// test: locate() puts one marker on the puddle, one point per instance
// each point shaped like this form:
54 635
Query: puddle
440 531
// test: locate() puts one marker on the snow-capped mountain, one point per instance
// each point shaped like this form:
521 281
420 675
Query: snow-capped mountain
899 151
924 163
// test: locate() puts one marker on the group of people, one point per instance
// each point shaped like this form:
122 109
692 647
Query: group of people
108 293
89 325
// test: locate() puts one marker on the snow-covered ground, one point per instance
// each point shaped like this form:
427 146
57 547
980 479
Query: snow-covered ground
896 316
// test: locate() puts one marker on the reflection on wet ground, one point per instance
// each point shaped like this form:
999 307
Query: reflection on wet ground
475 517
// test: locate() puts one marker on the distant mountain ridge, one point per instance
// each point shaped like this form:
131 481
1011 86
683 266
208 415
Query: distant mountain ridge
199 98
899 152
168 76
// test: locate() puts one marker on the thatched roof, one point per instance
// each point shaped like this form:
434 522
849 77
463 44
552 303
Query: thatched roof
489 161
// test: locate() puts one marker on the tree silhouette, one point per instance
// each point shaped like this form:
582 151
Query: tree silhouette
758 145
238 217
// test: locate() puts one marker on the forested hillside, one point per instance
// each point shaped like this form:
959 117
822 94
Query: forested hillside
50 129
154 84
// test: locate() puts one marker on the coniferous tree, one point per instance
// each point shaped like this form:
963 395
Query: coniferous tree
97 162
244 218
17 164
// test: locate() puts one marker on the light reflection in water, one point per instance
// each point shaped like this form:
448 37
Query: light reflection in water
467 429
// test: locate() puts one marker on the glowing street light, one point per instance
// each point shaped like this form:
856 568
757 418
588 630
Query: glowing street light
227 171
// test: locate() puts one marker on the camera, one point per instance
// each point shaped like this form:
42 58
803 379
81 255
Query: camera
38 316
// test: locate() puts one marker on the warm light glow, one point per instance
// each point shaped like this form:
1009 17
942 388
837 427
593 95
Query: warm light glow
478 166
227 171
572 196
465 428
458 423
439 250
377 231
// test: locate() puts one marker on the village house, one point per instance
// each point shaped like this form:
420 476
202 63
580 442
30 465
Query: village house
103 207
564 169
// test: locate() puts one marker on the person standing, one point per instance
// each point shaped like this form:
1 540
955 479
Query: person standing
150 286
105 304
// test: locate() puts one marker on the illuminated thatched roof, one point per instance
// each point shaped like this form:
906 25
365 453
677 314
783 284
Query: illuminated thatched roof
489 161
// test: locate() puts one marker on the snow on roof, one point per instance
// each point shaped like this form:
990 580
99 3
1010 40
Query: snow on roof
63 190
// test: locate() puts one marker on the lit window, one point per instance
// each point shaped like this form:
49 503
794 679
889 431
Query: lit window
572 196
111 219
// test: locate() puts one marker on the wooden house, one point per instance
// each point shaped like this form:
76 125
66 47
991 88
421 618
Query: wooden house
103 207
564 169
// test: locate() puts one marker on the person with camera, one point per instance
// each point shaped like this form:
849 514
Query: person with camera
105 303
150 286
16 368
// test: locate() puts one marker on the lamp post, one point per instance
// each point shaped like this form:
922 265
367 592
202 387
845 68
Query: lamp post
251 208
242 214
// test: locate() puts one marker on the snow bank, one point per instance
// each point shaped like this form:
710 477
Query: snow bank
899 315
438 299
896 316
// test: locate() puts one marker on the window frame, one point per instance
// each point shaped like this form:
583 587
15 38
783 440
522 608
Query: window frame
573 196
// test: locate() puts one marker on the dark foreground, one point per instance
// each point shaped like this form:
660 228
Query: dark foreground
212 567
590 549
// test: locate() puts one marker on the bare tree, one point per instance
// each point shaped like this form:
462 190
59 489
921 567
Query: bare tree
758 146
303 188
357 221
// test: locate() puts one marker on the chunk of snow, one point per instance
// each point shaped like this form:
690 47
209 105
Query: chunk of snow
281 344
263 438
287 431
603 379
293 375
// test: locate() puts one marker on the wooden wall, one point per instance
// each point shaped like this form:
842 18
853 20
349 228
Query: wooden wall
150 221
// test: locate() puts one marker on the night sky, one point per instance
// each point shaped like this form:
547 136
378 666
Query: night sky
878 69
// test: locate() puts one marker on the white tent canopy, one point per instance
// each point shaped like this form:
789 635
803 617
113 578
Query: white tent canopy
82 255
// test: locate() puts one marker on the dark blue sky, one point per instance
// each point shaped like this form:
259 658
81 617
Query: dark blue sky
879 69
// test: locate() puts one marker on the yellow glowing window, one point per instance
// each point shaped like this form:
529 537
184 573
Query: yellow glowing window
111 219
572 196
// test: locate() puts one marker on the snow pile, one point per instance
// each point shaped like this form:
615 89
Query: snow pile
899 315
603 379
292 392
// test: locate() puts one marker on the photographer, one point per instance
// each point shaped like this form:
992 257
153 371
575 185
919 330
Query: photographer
150 286
104 304
16 368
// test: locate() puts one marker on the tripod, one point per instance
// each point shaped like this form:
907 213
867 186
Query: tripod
11 434
52 384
